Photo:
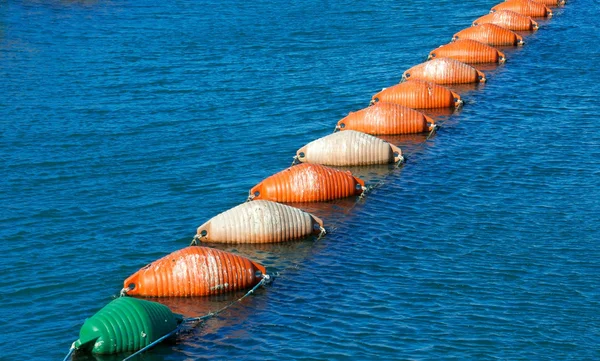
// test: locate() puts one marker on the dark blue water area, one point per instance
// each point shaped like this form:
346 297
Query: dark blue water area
126 125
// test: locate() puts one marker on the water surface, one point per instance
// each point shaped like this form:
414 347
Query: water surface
125 126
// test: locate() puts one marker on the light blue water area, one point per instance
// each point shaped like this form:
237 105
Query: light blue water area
125 125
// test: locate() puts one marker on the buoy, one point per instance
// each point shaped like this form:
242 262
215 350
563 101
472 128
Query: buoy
419 94
194 271
525 7
469 51
386 119
349 149
125 325
509 20
444 71
259 222
490 34
308 183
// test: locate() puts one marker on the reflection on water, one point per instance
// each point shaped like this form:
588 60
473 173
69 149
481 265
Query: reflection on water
330 212
276 257
440 114
487 67
465 89
190 307
369 173
405 141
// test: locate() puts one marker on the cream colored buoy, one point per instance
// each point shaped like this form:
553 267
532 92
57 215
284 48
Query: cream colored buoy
259 222
349 148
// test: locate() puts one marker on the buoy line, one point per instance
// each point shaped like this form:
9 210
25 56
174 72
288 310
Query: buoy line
130 324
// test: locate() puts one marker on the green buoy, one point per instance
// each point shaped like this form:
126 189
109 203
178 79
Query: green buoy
126 325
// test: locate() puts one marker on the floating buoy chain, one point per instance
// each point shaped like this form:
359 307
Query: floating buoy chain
414 80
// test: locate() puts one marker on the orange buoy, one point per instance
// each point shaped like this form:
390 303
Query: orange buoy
259 222
469 51
419 94
445 71
509 20
525 7
308 183
489 34
348 149
386 119
194 271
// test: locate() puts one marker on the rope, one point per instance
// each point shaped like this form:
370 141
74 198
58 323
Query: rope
265 279
295 161
322 233
400 161
124 291
71 350
432 131
195 240
152 344
364 192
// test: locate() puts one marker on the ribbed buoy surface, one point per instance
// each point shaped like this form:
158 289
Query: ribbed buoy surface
126 325
490 34
525 7
551 3
444 71
419 94
469 51
308 183
509 20
259 222
348 149
195 271
386 119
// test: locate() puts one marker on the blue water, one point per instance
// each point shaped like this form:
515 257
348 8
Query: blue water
124 126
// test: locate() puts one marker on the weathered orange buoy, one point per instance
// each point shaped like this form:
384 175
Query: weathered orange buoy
308 183
509 20
348 149
469 51
490 34
194 271
259 222
445 71
419 94
525 7
386 119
